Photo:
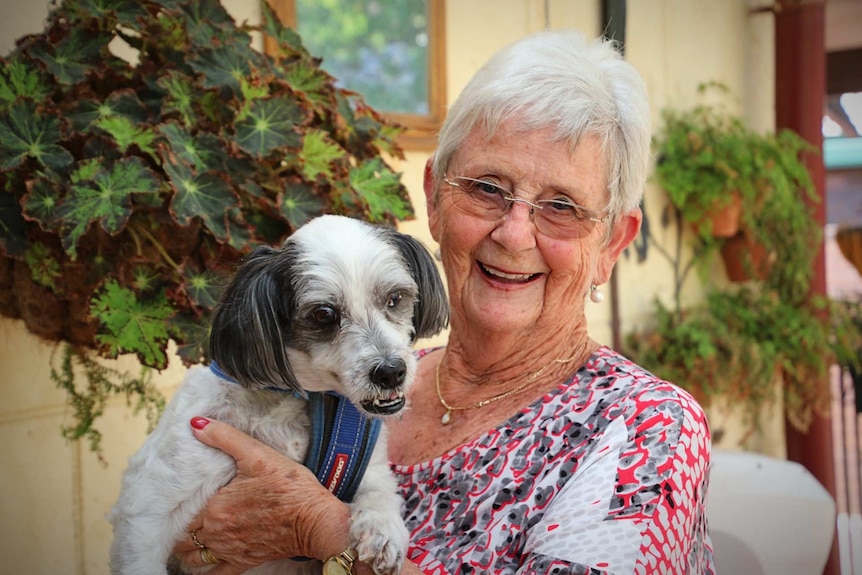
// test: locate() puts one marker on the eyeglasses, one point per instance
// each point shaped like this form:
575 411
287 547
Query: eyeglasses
558 218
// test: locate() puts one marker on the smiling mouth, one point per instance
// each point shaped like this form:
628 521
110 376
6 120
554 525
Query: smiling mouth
384 405
505 277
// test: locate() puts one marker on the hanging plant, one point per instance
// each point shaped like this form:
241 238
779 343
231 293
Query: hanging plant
129 189
768 337
706 165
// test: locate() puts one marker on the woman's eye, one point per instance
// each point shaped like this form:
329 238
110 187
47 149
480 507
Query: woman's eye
561 205
567 208
325 315
394 300
489 188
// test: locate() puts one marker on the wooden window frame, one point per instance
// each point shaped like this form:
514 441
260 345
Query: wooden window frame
421 130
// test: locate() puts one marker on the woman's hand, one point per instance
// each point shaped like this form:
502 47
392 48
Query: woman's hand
274 508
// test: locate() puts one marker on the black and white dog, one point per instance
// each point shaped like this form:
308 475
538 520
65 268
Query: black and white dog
337 308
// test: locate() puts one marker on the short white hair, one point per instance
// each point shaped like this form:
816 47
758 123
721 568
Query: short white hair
559 80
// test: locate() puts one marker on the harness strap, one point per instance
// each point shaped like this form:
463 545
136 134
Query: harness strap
342 440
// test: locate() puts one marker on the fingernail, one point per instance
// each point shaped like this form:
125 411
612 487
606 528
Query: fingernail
200 422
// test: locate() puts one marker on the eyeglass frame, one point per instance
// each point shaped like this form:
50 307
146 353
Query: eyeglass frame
511 198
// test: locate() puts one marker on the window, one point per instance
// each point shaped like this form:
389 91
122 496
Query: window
390 52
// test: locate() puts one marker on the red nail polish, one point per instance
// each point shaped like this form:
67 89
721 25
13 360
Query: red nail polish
200 422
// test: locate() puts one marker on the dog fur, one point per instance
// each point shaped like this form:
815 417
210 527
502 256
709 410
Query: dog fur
337 308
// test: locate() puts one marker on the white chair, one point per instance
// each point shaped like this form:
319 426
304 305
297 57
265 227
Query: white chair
767 516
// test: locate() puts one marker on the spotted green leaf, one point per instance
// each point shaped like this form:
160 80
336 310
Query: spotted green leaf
18 80
223 66
71 58
200 195
380 188
269 124
44 267
25 132
299 204
207 20
125 132
313 81
132 326
318 153
288 40
144 279
123 103
181 93
86 170
387 140
231 229
125 12
191 335
203 152
202 287
42 201
105 199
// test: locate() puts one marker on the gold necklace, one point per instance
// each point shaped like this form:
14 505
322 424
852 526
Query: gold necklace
447 417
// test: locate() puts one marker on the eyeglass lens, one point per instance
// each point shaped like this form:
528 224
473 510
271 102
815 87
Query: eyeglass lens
487 200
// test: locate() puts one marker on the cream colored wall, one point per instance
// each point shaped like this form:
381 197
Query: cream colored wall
55 494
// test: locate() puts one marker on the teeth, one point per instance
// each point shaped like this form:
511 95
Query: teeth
393 399
504 275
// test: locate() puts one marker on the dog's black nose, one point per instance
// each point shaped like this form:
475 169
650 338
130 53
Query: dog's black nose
389 375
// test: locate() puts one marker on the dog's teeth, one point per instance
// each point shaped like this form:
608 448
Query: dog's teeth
384 405
393 398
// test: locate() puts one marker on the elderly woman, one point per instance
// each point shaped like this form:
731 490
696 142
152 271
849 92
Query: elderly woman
527 446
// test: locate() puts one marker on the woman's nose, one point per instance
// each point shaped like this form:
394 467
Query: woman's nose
530 205
517 230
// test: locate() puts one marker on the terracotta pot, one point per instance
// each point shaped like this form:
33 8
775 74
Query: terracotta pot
722 222
745 259
849 241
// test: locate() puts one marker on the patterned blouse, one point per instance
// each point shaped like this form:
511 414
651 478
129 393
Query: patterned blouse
606 474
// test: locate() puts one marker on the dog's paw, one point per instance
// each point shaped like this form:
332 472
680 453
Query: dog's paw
380 540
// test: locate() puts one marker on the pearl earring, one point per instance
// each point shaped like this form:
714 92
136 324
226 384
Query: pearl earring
596 296
437 255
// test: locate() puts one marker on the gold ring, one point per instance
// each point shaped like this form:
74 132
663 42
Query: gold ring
194 534
207 556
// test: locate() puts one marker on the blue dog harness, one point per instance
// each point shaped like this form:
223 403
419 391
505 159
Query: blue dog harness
342 439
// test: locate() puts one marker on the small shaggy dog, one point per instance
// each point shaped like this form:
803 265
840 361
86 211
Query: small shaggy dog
336 309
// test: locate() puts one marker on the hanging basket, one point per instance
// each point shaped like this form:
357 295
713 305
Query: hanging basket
8 301
849 241
80 325
744 259
41 310
724 221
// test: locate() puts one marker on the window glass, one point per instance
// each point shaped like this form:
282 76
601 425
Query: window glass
392 52
377 48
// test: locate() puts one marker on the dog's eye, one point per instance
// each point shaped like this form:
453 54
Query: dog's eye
325 315
394 299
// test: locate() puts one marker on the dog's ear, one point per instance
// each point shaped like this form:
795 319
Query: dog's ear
431 312
251 324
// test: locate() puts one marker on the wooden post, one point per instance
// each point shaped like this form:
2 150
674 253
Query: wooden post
800 85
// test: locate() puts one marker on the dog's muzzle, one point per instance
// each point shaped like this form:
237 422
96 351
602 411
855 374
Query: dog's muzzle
390 377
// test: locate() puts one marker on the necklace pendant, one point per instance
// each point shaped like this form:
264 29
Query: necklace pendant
447 417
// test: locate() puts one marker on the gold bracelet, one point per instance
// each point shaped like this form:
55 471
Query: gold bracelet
341 564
